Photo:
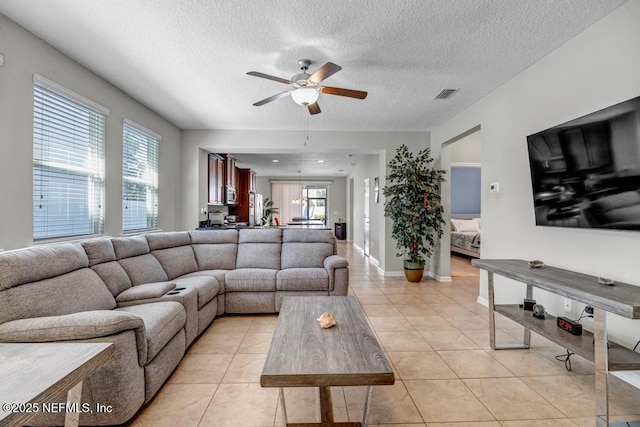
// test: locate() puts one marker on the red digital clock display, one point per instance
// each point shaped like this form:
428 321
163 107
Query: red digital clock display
569 325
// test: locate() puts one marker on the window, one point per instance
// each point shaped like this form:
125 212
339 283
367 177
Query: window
315 208
139 178
68 162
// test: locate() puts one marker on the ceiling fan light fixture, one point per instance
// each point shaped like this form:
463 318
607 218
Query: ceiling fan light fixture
305 96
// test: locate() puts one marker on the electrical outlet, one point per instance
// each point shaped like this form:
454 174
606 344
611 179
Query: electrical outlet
567 304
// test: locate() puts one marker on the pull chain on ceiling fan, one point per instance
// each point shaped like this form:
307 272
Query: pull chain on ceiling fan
305 88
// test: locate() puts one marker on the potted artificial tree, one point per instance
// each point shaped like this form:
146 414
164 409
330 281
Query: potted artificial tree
412 202
268 211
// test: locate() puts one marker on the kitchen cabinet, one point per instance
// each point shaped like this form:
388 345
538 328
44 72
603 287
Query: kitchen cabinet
246 184
216 180
230 171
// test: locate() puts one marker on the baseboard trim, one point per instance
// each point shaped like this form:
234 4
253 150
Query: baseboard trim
393 273
482 301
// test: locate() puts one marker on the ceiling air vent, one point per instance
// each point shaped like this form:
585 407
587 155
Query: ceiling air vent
446 93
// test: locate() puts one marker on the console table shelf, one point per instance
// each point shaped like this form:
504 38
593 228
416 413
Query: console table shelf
621 299
620 358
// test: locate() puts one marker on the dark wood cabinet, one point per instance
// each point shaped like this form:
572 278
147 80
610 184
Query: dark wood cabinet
230 171
340 230
246 183
216 180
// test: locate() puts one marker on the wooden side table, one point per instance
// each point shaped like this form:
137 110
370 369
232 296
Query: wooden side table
34 373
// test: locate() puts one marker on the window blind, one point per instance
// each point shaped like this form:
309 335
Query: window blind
139 178
68 164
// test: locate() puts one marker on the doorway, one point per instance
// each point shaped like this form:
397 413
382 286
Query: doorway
367 217
461 158
351 210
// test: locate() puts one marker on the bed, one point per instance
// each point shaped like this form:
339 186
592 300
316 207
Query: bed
465 236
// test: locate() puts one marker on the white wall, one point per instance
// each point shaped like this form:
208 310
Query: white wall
595 69
195 142
25 55
467 149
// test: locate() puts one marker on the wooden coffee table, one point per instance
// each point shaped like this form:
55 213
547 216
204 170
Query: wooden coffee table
302 354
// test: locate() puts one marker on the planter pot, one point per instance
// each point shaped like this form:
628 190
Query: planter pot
413 271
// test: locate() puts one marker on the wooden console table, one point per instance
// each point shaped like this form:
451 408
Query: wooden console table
33 374
621 299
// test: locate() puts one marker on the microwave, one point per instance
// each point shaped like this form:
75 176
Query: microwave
230 196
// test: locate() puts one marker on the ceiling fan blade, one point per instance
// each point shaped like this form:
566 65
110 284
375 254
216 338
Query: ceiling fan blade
325 71
313 108
272 98
343 92
269 77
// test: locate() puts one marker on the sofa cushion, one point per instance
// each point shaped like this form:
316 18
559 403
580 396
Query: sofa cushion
167 239
251 279
143 269
206 286
99 250
305 255
218 237
145 291
38 263
307 235
260 235
303 279
176 261
114 276
127 247
306 248
162 321
216 249
80 290
259 248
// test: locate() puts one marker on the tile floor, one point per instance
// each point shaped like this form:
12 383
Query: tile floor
436 336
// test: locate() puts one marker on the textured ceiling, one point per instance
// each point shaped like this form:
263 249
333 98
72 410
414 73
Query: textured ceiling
187 59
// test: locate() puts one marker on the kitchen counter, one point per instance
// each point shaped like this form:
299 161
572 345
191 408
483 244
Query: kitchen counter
240 226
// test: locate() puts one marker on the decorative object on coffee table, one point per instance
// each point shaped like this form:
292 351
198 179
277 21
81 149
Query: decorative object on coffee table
326 320
412 202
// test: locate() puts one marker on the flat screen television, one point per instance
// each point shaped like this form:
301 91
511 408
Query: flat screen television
586 172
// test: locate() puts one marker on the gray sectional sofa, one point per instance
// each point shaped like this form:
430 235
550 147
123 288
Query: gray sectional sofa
152 295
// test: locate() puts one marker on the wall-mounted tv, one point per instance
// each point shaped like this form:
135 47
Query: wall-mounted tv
586 172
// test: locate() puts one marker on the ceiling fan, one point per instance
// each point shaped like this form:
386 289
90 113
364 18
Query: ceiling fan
305 88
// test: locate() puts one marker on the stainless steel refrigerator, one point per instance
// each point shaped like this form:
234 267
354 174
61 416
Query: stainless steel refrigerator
255 209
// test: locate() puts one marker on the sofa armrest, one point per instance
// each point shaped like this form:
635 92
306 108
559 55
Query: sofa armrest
145 292
335 261
337 268
76 326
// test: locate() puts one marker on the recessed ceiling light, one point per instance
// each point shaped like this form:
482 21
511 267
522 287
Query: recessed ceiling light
320 161
275 160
